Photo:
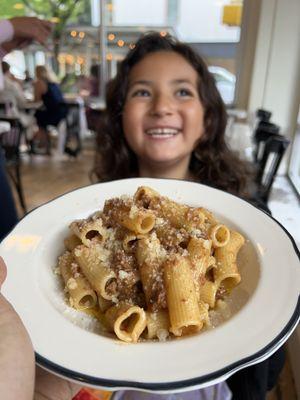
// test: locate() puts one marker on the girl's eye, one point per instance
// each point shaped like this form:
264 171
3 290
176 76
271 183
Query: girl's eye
141 93
184 92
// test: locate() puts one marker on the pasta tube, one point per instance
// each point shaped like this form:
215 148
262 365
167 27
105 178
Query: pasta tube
181 297
130 242
127 321
71 242
220 235
174 212
150 256
195 218
227 271
144 195
81 294
199 253
157 325
203 311
171 237
89 230
104 304
101 277
208 293
128 215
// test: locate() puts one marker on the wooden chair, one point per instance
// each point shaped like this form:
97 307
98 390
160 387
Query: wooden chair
10 142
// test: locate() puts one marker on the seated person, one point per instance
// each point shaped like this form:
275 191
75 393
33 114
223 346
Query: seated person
13 95
54 108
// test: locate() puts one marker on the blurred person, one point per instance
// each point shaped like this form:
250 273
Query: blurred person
83 86
13 95
94 80
92 90
27 84
17 32
27 76
54 108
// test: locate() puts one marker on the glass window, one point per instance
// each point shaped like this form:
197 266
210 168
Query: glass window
294 168
196 22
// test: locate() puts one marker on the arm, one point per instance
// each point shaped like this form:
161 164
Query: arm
20 31
16 353
17 364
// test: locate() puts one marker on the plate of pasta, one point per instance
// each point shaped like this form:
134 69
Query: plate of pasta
152 284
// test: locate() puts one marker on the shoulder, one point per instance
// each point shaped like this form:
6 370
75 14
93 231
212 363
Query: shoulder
41 86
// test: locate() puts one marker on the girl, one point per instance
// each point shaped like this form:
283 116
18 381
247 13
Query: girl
165 118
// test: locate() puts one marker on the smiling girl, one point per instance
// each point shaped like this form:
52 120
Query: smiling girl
165 118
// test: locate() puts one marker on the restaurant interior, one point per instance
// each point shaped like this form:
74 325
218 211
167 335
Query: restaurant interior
252 49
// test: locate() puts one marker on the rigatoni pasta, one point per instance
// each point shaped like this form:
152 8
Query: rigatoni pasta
149 267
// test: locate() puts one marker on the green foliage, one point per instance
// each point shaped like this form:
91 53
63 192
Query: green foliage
63 11
60 12
7 9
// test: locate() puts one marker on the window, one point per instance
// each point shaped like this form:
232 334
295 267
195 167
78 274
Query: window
294 168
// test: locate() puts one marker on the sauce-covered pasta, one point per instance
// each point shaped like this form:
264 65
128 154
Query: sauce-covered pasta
150 267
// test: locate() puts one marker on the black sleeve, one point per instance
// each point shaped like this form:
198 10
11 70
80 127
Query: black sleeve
8 214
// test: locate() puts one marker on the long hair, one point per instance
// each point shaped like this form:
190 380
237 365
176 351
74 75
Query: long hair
45 73
212 162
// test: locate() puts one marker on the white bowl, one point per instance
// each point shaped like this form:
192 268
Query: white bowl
265 310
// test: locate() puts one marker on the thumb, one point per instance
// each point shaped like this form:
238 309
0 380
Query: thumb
3 271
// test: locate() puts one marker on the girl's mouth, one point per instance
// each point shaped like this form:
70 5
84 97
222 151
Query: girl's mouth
162 132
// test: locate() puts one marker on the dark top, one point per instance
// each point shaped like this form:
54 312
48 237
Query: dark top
55 108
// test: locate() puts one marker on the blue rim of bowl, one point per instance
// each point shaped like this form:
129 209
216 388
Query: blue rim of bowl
112 384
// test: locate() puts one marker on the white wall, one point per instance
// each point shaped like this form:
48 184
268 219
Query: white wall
201 21
275 85
276 74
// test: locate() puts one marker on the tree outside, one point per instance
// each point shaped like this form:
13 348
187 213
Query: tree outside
60 12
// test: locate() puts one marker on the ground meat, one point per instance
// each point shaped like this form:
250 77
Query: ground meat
111 287
221 293
127 274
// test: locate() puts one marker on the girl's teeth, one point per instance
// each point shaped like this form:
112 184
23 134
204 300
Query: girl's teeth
162 132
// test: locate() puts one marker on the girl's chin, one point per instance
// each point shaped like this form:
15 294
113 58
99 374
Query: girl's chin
164 159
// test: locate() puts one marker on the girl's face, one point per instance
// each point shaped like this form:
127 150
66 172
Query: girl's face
163 114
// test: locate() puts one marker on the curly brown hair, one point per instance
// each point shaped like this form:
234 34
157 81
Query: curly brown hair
212 162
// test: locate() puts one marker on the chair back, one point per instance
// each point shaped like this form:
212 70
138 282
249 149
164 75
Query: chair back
10 140
263 115
267 166
262 133
5 108
73 139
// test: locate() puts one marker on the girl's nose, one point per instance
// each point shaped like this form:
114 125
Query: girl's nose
161 105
